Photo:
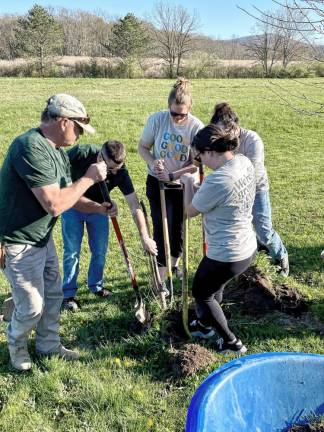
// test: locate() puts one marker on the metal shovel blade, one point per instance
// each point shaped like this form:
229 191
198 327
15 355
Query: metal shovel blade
141 313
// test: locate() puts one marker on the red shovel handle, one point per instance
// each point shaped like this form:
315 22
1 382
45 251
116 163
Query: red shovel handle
106 197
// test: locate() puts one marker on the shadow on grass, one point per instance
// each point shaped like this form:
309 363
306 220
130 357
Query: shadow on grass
4 357
117 337
107 328
304 259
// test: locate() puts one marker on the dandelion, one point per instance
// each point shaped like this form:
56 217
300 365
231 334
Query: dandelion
127 363
149 423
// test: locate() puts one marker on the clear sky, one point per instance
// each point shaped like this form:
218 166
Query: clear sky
219 18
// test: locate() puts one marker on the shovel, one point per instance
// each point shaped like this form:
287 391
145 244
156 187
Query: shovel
158 285
140 311
166 240
185 264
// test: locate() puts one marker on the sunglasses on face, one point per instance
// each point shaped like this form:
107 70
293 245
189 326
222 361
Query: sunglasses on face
84 120
197 158
175 114
80 129
118 163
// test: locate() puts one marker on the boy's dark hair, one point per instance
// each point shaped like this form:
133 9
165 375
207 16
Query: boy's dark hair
115 151
224 114
214 138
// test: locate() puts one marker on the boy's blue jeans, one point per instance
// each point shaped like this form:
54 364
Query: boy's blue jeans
97 226
263 226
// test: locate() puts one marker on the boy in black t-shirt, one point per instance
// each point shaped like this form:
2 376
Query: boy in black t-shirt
73 220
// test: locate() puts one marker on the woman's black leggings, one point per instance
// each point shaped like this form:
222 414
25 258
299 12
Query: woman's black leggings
208 285
174 207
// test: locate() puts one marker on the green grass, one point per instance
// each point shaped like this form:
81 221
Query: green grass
124 382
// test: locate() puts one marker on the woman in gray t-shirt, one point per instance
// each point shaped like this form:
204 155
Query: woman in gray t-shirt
252 147
165 146
225 199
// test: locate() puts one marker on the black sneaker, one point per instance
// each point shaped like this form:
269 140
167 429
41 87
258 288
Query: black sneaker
199 330
70 304
177 272
283 266
235 346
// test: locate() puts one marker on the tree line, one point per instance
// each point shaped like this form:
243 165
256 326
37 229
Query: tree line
171 34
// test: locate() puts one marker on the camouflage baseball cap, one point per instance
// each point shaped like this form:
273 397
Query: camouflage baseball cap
64 105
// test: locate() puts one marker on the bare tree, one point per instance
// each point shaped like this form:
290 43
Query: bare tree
306 18
266 46
83 32
8 40
173 30
292 48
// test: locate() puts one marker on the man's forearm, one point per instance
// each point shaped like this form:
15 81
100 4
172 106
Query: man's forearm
70 195
55 200
86 205
139 220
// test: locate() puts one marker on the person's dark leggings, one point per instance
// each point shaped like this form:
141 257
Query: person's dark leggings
174 206
208 286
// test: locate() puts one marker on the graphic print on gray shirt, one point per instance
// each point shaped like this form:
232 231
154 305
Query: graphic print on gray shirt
170 141
225 199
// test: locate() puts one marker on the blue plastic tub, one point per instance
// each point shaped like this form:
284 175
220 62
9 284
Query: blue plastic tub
259 393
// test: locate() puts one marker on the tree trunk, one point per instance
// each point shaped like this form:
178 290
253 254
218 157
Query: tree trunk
42 66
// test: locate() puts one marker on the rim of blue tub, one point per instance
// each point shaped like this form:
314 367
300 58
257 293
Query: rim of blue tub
226 372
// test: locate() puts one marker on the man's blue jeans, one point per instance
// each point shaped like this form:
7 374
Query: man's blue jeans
97 226
263 226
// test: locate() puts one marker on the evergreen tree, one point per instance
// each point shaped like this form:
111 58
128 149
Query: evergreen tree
129 40
39 36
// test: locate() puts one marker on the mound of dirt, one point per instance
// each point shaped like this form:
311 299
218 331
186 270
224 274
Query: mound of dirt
190 359
254 293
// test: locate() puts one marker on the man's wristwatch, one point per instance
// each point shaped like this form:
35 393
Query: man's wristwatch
171 176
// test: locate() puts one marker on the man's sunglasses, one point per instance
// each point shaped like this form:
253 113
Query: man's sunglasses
117 162
175 114
84 120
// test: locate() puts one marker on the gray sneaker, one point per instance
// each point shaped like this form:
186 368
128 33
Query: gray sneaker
283 266
164 289
66 354
19 358
70 304
61 352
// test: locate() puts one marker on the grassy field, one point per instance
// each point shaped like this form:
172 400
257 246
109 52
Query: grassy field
123 381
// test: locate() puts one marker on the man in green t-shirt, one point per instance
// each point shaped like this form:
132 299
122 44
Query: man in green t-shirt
73 221
35 188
